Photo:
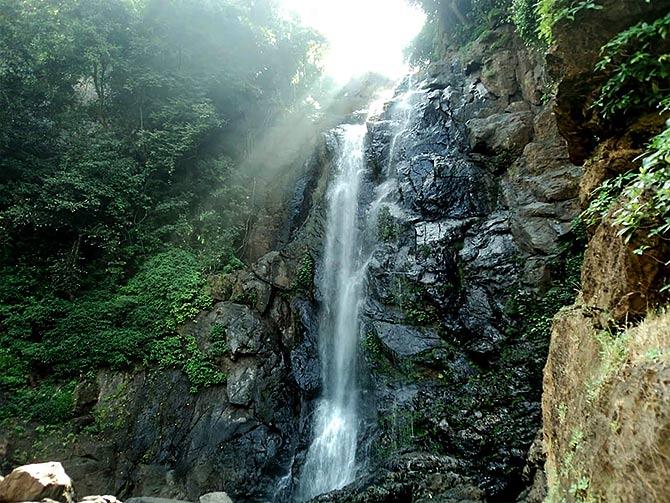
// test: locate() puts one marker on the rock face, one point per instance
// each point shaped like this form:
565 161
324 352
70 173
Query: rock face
37 482
236 437
482 193
605 409
418 477
604 425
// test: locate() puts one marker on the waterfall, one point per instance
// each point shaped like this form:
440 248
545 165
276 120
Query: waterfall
331 459
330 462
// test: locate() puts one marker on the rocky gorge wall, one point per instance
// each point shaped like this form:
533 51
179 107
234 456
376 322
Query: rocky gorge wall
485 168
484 194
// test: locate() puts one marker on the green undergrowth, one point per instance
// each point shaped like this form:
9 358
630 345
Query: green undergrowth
623 379
450 25
50 339
636 64
304 278
47 403
412 299
535 20
532 312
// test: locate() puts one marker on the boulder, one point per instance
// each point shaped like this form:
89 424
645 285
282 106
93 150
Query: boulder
36 482
499 74
274 268
403 341
619 281
149 499
241 384
100 499
498 133
217 497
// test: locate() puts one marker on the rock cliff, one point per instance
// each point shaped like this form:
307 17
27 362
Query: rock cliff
480 170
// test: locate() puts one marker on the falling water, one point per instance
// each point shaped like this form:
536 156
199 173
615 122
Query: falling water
331 459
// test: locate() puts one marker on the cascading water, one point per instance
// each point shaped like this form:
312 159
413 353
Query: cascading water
331 459
330 462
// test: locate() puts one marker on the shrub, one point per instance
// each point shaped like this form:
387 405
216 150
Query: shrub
47 403
304 278
637 64
551 12
524 15
386 225
643 197
167 291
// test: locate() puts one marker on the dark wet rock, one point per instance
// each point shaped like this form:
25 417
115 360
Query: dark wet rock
437 186
417 477
441 231
241 384
305 360
499 133
274 269
479 315
246 332
402 340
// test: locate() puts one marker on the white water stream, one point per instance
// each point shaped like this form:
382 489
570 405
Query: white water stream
330 462
331 459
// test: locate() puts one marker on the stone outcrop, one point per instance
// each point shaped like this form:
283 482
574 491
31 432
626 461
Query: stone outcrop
605 409
605 414
485 195
37 482
418 477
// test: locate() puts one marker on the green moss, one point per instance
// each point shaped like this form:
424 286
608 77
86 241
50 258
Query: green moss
412 300
387 229
218 344
248 298
182 352
401 429
304 277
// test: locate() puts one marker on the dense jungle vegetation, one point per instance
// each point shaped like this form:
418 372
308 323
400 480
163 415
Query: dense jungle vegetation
124 130
124 126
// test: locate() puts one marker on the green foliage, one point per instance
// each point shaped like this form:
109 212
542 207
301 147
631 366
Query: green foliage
386 225
412 301
47 403
124 133
219 346
422 50
524 15
637 65
109 328
454 23
304 278
535 19
551 12
167 290
638 202
613 354
532 313
201 373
